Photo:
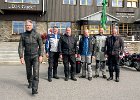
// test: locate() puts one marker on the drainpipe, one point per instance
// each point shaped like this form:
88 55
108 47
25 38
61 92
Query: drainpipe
43 7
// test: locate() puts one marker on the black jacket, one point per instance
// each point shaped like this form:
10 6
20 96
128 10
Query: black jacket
67 45
31 44
114 45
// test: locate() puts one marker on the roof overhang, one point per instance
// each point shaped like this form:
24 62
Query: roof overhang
96 18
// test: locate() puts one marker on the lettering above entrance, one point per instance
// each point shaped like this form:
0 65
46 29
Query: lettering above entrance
125 14
126 17
22 7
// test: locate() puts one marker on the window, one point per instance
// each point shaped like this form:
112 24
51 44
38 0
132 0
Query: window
23 1
99 2
94 29
132 3
71 2
19 26
117 3
61 26
130 31
85 2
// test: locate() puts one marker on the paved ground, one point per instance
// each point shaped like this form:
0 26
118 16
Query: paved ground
13 86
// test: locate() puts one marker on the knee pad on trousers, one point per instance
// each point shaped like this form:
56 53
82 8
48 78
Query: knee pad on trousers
97 65
103 64
36 78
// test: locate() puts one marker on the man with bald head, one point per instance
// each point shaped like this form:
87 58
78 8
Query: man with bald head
68 50
114 48
100 53
86 50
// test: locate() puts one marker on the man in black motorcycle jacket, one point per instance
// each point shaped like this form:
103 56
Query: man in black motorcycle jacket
31 51
68 50
114 48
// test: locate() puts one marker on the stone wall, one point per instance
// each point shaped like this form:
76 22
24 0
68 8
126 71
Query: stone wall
5 30
41 27
133 47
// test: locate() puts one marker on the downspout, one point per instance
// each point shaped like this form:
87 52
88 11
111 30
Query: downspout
43 7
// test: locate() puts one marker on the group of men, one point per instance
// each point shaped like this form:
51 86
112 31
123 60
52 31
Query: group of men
64 46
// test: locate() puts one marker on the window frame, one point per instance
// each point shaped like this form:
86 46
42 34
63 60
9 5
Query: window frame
22 1
117 3
13 33
132 1
13 28
86 4
101 5
69 2
94 29
61 27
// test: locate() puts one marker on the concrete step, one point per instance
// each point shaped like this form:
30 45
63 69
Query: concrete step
9 52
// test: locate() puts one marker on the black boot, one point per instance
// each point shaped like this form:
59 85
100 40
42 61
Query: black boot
117 77
111 76
30 85
66 78
34 91
50 79
73 78
56 77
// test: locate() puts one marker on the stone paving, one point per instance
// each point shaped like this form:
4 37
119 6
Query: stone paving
13 86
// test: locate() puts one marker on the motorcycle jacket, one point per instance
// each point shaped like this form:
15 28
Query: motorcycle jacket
67 45
30 44
100 47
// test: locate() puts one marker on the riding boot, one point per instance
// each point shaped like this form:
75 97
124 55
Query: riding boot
117 77
111 76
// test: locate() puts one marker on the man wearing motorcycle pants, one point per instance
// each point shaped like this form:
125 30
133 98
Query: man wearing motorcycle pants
114 48
86 50
52 53
100 53
31 50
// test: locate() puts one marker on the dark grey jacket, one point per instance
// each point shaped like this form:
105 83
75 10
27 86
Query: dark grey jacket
30 44
67 45
114 45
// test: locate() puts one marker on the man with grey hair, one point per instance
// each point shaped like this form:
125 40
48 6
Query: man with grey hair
114 49
31 51
51 48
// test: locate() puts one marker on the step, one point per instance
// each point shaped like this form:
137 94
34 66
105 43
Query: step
9 53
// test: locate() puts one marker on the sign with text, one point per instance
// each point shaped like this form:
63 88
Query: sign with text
125 15
22 6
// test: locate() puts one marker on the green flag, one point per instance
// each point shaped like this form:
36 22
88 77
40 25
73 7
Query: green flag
103 16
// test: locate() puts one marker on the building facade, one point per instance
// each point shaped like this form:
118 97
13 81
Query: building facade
78 14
